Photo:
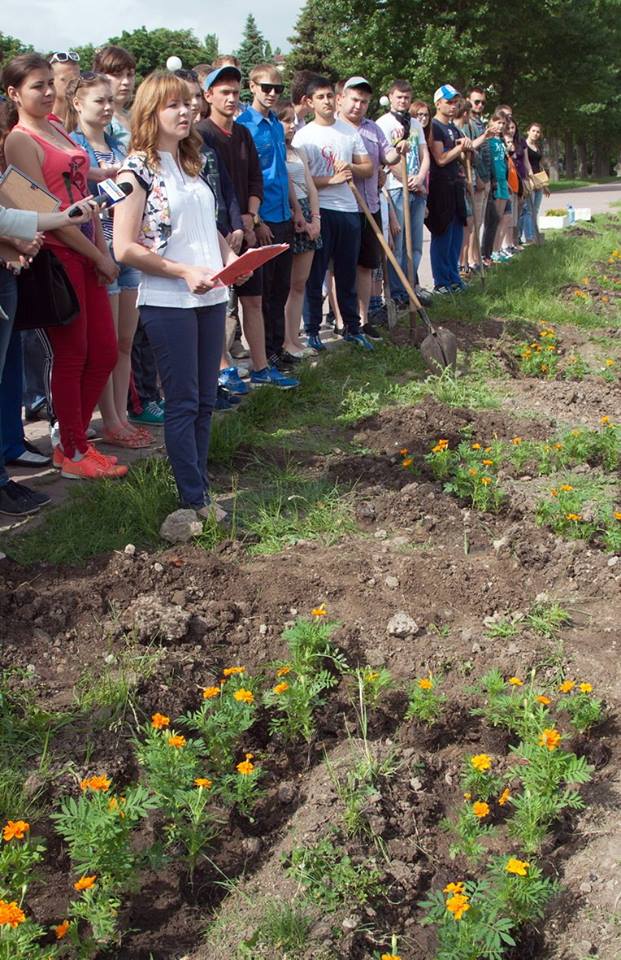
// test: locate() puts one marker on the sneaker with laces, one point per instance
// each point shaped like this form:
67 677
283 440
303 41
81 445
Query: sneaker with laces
38 497
371 332
497 257
441 291
270 376
359 339
91 467
230 380
108 458
505 255
13 503
315 342
152 414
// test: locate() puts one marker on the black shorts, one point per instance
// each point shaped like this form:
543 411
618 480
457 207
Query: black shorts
252 287
370 255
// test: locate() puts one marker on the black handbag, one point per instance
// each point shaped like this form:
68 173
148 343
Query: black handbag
45 296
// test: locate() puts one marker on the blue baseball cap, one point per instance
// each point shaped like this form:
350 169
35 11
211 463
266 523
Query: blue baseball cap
211 78
445 92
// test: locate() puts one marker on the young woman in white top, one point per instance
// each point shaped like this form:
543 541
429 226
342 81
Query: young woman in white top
307 237
166 228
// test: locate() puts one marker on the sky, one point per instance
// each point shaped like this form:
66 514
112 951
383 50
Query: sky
61 24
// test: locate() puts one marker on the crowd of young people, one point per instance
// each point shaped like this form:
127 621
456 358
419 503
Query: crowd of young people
156 340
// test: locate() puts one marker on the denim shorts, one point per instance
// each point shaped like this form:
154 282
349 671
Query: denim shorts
128 278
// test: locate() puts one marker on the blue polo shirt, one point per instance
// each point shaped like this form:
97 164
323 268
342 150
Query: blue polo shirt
269 139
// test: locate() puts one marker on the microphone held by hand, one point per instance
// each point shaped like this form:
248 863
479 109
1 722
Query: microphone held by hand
104 200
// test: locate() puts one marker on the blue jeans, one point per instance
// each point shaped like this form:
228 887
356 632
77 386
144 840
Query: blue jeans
340 234
530 212
8 303
418 202
445 251
187 344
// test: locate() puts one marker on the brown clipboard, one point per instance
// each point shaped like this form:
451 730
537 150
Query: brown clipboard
19 191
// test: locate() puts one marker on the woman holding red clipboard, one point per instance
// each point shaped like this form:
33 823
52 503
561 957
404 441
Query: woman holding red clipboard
167 229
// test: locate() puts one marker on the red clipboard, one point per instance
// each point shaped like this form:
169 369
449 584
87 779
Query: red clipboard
249 261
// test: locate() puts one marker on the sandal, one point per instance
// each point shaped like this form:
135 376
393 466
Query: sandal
132 442
141 432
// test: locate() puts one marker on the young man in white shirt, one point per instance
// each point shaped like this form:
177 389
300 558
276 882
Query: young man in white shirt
335 152
399 126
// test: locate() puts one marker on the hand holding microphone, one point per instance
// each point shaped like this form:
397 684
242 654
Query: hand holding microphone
107 198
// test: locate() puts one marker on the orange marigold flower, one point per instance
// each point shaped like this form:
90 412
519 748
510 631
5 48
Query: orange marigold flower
504 797
244 696
566 487
480 809
609 361
390 956
516 441
404 451
473 471
586 688
454 887
549 738
280 687
487 463
249 756
210 692
10 914
176 740
159 721
245 768
407 463
558 446
283 671
486 481
98 784
115 804
231 671
61 929
475 446
15 830
85 883
515 682
554 492
481 762
617 514
425 683
320 611
567 686
204 782
573 517
543 699
457 905
604 420
439 448
518 867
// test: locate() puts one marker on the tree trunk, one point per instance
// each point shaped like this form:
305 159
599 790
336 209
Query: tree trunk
554 145
601 160
570 166
583 170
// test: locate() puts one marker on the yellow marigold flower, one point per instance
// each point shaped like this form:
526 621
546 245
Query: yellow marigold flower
487 449
604 420
544 367
159 721
404 452
457 905
371 676
231 671
617 514
10 914
244 696
504 797
558 446
515 682
320 611
99 783
425 683
283 671
390 956
454 887
609 361
487 463
245 768
518 867
481 762
280 687
210 692
61 929
573 517
473 471
554 492
480 809
549 738
204 782
486 481
249 756
567 686
85 883
439 447
407 463
586 688
542 699
15 830
516 441
475 446
566 487
467 795
176 740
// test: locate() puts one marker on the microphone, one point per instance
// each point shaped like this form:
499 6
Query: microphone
102 200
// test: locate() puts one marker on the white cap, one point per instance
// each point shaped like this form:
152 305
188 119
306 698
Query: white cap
357 82
445 92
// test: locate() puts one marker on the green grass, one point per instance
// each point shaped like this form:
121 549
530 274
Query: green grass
557 186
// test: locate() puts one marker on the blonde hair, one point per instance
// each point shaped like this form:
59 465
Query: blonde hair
153 94
85 81
265 70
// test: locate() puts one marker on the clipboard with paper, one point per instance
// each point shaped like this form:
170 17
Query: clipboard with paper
21 192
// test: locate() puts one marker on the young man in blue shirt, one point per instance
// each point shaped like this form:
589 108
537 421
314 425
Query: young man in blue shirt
274 223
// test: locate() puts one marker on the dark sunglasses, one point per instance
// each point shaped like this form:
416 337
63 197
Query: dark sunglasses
268 87
64 55
478 101
86 76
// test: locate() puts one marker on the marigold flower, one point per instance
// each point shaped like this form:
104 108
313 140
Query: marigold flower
159 721
549 738
404 452
98 784
604 420
480 809
567 686
617 514
473 471
280 687
176 740
475 446
245 768
204 782
440 447
115 804
283 671
320 611
371 676
454 887
210 692
487 463
425 683
467 795
481 762
518 867
515 682
516 441
558 446
231 671
10 914
486 481
15 830
244 696
457 905
85 883
543 699
249 756
61 929
390 956
573 517
407 463
554 492
504 797
586 688
609 361
566 487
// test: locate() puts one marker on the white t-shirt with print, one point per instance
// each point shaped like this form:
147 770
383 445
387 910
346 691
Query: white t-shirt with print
394 132
324 145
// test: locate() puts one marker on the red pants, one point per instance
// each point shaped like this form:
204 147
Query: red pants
85 352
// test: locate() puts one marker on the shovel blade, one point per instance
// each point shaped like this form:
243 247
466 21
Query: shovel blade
439 350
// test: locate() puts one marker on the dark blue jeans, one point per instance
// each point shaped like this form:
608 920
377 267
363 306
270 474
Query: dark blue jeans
187 344
444 253
8 303
340 234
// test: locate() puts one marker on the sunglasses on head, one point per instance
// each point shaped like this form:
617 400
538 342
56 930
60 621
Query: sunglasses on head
65 55
268 87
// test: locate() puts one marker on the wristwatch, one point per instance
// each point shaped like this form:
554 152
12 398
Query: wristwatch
256 220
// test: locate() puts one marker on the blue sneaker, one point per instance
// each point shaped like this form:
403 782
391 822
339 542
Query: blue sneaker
224 404
315 342
359 339
230 380
270 376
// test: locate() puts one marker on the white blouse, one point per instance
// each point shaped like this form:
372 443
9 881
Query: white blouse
193 240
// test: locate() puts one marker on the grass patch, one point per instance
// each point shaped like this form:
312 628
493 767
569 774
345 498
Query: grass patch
557 186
